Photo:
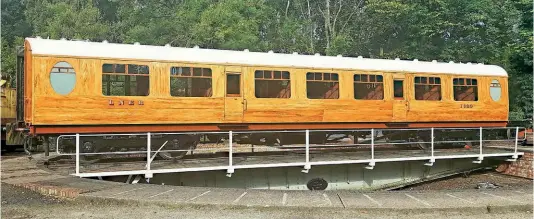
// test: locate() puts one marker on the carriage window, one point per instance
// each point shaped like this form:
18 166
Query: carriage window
272 84
427 88
63 78
398 89
125 80
233 85
191 82
321 85
368 87
465 89
495 90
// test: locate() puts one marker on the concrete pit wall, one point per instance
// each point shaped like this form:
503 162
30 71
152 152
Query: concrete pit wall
337 177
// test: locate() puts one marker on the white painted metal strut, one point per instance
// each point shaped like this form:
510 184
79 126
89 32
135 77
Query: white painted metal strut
432 142
481 155
432 159
516 141
148 174
307 166
77 154
372 162
230 169
515 156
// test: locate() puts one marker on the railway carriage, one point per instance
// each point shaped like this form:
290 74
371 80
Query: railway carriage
100 87
8 116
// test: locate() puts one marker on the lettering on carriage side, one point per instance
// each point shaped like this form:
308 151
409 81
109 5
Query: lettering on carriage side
466 106
125 102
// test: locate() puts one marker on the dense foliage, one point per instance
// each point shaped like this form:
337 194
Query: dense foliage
484 31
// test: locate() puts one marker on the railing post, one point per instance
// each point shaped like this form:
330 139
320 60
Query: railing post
516 142
432 159
372 144
230 155
372 163
432 142
77 154
481 157
148 174
307 166
57 145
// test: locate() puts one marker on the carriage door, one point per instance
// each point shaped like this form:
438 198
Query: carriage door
400 104
233 101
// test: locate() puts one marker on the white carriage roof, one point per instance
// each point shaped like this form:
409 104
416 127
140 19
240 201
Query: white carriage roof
179 54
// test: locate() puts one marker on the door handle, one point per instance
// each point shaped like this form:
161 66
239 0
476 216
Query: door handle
407 106
244 104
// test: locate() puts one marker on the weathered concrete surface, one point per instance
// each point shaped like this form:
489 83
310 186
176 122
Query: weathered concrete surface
28 174
21 203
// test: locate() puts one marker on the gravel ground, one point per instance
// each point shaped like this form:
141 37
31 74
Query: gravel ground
10 155
21 203
470 181
12 195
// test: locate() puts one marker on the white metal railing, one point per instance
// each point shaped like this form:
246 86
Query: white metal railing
307 162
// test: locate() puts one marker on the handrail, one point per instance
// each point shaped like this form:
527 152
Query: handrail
430 156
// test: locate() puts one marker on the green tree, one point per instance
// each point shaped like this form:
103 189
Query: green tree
157 22
232 24
76 19
520 65
14 27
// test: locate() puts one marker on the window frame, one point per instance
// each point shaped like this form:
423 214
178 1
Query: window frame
241 90
323 80
499 85
368 82
75 72
465 85
273 79
191 67
403 82
126 65
427 78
